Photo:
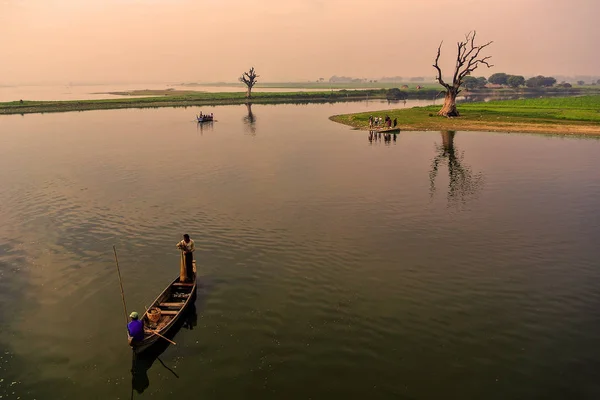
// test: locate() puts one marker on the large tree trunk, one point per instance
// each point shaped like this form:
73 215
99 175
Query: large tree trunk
249 93
449 108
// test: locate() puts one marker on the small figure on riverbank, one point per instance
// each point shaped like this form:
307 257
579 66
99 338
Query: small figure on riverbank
395 122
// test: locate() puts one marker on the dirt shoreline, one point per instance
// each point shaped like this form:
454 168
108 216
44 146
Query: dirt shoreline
454 124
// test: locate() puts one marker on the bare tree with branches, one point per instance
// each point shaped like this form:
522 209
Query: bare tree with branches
249 79
467 61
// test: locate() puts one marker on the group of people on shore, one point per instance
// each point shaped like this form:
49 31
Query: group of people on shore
384 122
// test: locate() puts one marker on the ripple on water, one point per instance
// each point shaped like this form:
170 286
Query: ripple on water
325 266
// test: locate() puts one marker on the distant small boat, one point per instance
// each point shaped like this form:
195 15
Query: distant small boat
165 311
204 118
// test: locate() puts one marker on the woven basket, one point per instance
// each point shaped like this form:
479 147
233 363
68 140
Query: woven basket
154 314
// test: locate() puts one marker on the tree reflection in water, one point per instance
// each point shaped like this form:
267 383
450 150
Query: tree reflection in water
463 183
250 120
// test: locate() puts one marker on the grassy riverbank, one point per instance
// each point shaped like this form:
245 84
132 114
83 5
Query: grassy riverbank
188 98
193 98
567 115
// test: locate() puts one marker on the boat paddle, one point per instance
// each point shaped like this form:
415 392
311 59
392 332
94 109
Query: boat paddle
158 334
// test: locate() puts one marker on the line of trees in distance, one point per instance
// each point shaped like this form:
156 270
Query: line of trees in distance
472 82
515 81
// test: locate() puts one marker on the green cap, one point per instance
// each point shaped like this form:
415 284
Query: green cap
134 315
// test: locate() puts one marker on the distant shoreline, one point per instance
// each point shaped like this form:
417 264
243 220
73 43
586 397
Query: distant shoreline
561 115
191 98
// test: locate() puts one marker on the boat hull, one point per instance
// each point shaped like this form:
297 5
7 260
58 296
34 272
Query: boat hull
171 311
390 130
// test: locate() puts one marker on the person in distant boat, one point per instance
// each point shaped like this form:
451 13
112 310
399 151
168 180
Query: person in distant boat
188 248
395 122
135 328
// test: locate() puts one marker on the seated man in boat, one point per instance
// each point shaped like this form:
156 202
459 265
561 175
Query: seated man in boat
188 248
135 329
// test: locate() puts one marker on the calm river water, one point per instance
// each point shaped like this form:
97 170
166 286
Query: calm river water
330 265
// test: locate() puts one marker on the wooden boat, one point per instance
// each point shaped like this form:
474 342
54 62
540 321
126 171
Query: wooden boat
204 118
386 130
171 303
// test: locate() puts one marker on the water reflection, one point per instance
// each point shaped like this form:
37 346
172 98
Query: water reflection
250 120
463 183
141 363
387 137
205 126
395 101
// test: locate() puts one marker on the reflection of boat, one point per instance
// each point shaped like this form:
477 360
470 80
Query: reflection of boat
165 311
141 363
204 118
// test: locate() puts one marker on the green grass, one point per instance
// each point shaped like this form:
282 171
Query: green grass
584 108
528 115
170 98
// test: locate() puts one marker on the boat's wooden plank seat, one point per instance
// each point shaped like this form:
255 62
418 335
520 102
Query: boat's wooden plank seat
167 312
183 284
172 304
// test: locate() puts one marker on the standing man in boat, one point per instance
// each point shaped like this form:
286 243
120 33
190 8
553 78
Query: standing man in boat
135 328
188 248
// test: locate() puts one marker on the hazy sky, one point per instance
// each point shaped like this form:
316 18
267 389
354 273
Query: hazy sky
215 40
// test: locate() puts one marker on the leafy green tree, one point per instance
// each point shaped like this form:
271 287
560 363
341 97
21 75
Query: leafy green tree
515 81
498 78
470 82
395 94
548 81
540 81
